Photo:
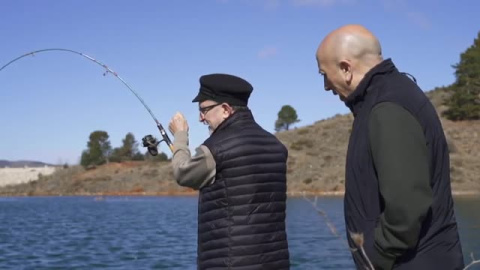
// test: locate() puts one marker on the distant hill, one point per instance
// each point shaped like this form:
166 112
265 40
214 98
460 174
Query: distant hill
22 163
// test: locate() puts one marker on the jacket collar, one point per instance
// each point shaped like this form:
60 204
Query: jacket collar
355 99
238 116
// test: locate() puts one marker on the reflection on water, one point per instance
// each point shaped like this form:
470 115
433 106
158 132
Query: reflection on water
312 244
160 233
468 218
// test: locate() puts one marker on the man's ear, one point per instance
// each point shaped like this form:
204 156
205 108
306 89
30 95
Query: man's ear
227 110
346 68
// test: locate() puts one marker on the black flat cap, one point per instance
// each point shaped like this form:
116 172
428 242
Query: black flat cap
224 88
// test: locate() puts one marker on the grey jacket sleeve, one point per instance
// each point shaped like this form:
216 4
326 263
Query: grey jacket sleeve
400 156
193 172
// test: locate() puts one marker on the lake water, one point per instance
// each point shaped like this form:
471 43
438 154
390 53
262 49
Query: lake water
160 233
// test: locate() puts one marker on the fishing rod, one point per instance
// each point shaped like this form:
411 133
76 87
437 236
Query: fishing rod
148 141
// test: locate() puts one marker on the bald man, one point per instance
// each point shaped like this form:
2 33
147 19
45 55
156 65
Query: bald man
397 187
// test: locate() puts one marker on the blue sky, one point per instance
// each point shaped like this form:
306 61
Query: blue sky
51 102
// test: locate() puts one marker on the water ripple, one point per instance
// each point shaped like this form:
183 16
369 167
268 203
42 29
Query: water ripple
146 233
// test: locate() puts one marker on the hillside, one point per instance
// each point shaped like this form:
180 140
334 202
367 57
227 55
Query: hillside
317 152
128 178
316 164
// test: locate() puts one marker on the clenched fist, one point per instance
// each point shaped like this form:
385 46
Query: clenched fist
178 123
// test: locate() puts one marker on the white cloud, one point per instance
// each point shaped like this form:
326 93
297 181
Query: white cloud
402 7
394 5
275 4
320 3
267 52
272 4
419 19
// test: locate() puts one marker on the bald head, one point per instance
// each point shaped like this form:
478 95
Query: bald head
353 42
348 53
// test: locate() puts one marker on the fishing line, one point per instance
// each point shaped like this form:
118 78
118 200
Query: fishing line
148 141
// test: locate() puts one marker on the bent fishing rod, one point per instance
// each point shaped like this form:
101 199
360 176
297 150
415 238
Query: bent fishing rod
148 141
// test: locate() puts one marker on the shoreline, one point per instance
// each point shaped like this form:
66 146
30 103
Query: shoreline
460 193
292 194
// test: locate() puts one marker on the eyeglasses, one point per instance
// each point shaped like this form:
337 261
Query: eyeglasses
205 110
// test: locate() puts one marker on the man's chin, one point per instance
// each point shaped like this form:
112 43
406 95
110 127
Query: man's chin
210 130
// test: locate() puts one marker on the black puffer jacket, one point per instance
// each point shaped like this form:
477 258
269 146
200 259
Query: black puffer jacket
437 244
241 216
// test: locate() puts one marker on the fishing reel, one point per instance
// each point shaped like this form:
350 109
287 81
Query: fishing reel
152 144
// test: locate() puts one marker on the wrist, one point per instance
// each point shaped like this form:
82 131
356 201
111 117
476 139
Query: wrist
181 138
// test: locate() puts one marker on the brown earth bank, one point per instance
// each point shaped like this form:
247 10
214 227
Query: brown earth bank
316 165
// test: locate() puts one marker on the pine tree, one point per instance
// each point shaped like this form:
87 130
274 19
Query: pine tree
286 117
464 102
98 149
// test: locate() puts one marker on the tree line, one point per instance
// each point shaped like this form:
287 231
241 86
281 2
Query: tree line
99 150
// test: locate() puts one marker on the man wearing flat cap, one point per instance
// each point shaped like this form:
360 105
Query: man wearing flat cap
240 172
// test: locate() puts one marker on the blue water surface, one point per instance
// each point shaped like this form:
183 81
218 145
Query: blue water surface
160 232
